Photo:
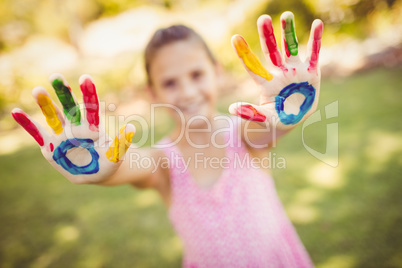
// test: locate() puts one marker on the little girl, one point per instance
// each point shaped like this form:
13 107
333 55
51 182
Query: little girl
226 211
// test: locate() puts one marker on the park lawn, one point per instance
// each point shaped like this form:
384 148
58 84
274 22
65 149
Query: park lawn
347 216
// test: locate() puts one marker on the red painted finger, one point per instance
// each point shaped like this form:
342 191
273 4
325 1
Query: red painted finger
269 44
27 123
251 112
91 101
248 112
314 44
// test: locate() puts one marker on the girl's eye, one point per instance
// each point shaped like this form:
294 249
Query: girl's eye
169 84
197 75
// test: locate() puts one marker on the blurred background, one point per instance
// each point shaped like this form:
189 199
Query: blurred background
347 216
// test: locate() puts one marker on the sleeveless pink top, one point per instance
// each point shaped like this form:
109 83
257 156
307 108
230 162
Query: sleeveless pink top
238 222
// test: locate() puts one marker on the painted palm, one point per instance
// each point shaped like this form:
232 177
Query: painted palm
79 147
290 87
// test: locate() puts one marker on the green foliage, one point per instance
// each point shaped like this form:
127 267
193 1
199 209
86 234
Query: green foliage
358 19
113 7
23 18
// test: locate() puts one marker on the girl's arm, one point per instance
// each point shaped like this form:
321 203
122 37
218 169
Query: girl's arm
258 136
289 90
78 146
135 169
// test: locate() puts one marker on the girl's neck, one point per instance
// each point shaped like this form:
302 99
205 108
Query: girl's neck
195 134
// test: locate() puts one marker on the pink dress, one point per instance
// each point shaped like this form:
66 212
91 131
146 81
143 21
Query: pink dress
238 222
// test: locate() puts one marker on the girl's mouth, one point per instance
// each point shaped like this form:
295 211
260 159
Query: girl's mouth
192 108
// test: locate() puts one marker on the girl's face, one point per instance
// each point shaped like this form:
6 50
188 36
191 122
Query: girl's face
184 76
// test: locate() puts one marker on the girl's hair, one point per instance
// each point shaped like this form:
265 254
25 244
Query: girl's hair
165 36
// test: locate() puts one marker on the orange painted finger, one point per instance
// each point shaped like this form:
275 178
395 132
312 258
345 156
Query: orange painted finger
249 58
49 110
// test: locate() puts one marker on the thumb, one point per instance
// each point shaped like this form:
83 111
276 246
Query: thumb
119 146
251 112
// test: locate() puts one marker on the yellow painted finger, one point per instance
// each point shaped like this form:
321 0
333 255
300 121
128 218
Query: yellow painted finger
50 113
249 58
120 145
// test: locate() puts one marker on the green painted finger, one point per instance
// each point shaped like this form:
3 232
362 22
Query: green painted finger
288 26
63 92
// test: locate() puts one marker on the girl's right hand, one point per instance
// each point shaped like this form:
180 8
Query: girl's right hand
79 148
290 86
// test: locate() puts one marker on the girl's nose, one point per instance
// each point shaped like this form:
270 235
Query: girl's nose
189 90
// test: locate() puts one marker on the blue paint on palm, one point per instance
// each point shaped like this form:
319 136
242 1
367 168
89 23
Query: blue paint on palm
60 156
303 88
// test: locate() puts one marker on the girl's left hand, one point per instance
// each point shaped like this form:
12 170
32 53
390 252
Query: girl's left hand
289 91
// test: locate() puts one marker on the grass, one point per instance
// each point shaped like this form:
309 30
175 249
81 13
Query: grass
352 212
348 216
